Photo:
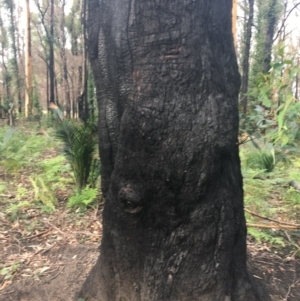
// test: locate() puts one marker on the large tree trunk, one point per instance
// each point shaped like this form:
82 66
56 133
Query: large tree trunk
173 222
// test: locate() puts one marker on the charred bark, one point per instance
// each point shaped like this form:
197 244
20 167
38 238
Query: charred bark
168 83
51 55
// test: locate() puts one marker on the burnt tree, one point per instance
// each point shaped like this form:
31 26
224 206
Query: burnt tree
167 87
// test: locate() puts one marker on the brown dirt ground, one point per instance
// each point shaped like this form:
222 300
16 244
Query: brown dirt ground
47 256
72 263
69 263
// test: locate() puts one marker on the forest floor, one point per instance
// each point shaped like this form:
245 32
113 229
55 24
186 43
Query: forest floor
46 255
53 265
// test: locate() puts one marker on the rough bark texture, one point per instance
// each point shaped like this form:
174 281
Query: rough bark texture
168 83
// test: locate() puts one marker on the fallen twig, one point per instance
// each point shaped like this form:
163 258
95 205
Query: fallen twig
56 274
10 196
273 220
38 234
86 233
54 227
292 285
287 227
293 244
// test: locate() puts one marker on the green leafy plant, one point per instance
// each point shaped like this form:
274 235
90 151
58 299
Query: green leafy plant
262 160
79 139
5 138
95 172
14 209
292 196
273 118
56 172
274 88
8 272
84 198
20 149
266 236
43 193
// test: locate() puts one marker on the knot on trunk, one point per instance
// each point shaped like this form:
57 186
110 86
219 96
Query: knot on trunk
130 200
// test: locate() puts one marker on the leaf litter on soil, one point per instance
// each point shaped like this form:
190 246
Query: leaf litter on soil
46 254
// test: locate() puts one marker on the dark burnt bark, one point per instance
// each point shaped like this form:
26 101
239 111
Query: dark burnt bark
80 94
85 60
168 83
246 56
51 55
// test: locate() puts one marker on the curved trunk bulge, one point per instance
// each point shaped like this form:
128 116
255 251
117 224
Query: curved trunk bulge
167 83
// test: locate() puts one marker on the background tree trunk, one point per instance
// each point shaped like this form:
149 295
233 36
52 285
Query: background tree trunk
272 22
28 66
11 7
51 55
64 61
234 22
268 13
168 83
246 57
85 100
5 74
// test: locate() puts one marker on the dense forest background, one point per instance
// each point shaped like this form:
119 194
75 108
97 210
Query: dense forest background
43 56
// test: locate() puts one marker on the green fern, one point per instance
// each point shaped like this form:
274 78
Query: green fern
14 209
84 198
20 149
43 193
56 172
292 196
266 236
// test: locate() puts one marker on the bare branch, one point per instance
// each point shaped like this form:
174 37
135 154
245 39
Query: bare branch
285 19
